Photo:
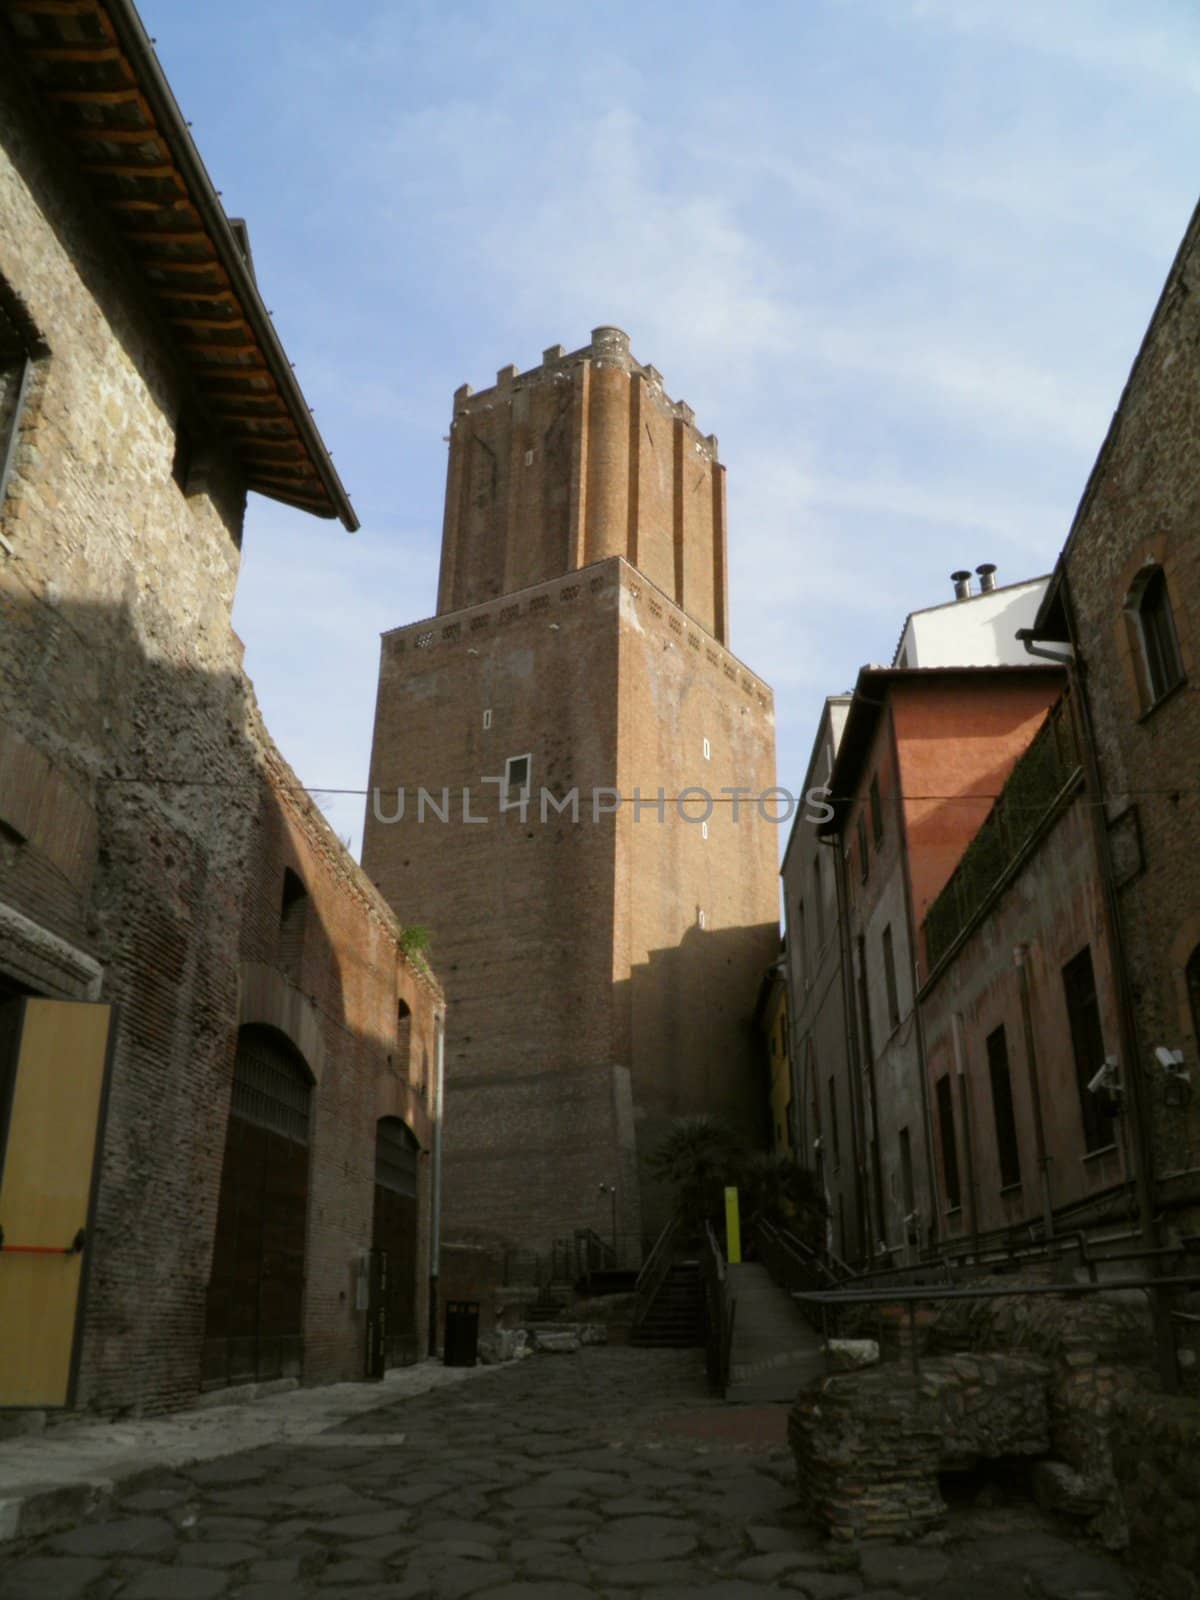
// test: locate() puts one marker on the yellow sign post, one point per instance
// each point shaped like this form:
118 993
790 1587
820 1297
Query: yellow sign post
733 1228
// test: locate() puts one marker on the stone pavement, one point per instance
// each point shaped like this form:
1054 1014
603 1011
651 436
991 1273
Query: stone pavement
606 1473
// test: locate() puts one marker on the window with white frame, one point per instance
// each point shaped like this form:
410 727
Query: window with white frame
517 771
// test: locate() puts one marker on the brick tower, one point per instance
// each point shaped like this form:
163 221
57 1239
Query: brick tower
601 966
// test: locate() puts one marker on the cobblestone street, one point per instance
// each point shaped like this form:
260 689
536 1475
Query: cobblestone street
610 1472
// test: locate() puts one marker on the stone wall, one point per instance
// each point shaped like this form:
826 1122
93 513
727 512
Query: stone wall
146 819
869 1445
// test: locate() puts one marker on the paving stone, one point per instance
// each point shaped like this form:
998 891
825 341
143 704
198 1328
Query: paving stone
538 1591
824 1585
456 1528
175 1583
383 1548
156 1499
49 1578
350 1572
903 1567
767 1540
536 1496
251 1529
454 1580
642 1574
632 1505
216 1553
285 1570
230 1470
721 1589
367 1524
769 1567
638 1539
129 1536
1065 1575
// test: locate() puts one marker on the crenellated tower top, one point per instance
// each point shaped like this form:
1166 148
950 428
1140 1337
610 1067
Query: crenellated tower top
577 459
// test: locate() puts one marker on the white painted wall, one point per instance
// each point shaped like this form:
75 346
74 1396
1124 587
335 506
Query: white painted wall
976 632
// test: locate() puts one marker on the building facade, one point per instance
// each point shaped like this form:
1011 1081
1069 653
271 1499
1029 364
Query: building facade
601 932
1019 1012
923 754
827 1080
1125 604
215 1059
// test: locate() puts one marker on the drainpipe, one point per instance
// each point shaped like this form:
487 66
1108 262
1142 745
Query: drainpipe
435 1203
853 1057
960 1057
1021 962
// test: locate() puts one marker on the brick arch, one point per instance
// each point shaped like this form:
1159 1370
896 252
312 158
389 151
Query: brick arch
265 996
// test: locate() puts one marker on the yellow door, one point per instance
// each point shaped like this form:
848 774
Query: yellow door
49 1143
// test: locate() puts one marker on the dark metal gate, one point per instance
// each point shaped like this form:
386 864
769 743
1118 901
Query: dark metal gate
392 1305
254 1321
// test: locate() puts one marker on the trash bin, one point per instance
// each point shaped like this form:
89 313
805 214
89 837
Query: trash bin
461 1342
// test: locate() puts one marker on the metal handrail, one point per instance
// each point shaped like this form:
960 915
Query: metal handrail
721 1309
654 1270
911 1298
782 1239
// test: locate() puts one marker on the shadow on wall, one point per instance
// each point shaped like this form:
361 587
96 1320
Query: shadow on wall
693 1049
146 820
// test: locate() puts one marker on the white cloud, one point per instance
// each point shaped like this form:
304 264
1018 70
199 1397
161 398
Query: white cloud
1158 42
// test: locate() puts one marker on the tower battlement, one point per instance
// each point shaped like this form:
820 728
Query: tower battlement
609 346
583 457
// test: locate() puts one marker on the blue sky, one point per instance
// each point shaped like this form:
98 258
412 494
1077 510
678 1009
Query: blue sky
897 254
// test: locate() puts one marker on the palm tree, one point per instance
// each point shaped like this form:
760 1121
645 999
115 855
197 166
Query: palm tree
697 1158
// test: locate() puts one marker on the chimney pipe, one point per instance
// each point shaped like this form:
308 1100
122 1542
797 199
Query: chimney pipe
962 585
987 577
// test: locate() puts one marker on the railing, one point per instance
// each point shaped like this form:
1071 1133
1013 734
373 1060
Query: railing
833 1299
657 1265
794 1265
720 1310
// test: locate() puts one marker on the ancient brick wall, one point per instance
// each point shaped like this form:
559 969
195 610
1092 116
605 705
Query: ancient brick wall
578 459
1140 509
136 791
589 1002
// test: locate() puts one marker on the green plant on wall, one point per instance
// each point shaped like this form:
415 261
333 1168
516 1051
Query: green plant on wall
416 942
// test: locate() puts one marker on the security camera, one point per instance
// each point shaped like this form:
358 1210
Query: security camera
1105 1079
1170 1060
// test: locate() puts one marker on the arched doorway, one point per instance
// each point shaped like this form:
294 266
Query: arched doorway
254 1320
392 1322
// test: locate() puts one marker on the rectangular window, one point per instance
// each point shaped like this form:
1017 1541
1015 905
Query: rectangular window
906 1173
864 861
876 812
516 780
1087 1044
834 1135
1002 1109
707 751
889 977
945 1106
487 719
818 902
801 941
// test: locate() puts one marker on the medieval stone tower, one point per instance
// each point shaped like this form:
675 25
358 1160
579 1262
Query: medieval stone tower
601 957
